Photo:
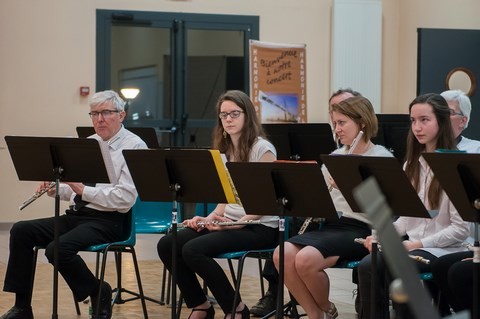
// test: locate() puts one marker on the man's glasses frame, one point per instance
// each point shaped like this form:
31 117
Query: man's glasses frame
104 113
453 113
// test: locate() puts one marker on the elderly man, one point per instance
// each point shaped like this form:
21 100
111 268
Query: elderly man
96 215
460 108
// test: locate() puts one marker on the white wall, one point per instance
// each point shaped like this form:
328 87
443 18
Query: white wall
47 51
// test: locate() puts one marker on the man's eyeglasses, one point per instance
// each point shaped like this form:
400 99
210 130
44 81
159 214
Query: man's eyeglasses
104 113
452 112
233 114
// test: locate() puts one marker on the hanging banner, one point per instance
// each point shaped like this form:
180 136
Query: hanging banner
278 82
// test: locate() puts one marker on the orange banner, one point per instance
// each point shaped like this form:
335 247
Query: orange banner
278 82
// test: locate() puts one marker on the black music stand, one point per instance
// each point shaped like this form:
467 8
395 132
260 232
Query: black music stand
177 176
60 160
459 175
349 171
374 204
294 189
300 142
147 134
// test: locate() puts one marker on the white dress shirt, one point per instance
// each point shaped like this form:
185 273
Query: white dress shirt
120 194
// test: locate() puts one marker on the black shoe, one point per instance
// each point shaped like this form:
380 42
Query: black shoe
209 312
265 305
18 313
105 311
245 313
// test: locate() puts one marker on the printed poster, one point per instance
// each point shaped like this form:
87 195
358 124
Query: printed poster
278 82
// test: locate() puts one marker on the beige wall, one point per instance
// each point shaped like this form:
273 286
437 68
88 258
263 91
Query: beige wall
47 51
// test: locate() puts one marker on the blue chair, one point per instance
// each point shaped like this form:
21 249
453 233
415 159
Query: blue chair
125 246
155 218
152 217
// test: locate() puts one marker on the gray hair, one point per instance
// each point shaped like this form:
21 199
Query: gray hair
108 96
463 102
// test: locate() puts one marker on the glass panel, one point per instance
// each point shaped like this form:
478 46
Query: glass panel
215 63
140 58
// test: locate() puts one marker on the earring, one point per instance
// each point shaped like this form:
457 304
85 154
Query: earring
224 134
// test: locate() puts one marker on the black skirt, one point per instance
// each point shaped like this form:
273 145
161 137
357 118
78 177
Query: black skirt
337 239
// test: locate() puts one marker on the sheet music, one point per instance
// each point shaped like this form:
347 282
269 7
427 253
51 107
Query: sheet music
230 180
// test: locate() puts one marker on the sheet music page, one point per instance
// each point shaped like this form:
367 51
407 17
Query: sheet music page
230 180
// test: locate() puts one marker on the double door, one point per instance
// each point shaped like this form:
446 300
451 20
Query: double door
180 63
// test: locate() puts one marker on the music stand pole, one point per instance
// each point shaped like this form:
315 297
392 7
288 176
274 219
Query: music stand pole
476 266
56 235
175 188
281 255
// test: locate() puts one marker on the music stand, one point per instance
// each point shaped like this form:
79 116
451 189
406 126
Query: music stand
147 134
459 175
295 189
61 160
300 142
178 176
349 171
374 204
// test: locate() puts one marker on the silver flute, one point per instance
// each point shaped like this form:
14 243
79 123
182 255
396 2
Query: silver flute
243 222
37 195
350 150
417 258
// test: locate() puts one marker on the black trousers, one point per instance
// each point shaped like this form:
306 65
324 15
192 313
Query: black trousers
195 255
383 279
454 277
77 231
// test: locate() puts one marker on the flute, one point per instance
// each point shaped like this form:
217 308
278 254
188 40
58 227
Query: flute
350 150
232 223
37 195
417 258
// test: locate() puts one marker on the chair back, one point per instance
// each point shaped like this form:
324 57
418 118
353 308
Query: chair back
152 217
130 227
130 234
203 209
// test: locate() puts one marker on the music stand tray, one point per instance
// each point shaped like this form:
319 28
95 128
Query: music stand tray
459 175
294 189
81 160
62 160
301 142
201 176
349 171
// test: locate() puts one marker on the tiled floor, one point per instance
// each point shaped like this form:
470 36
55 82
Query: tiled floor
151 270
